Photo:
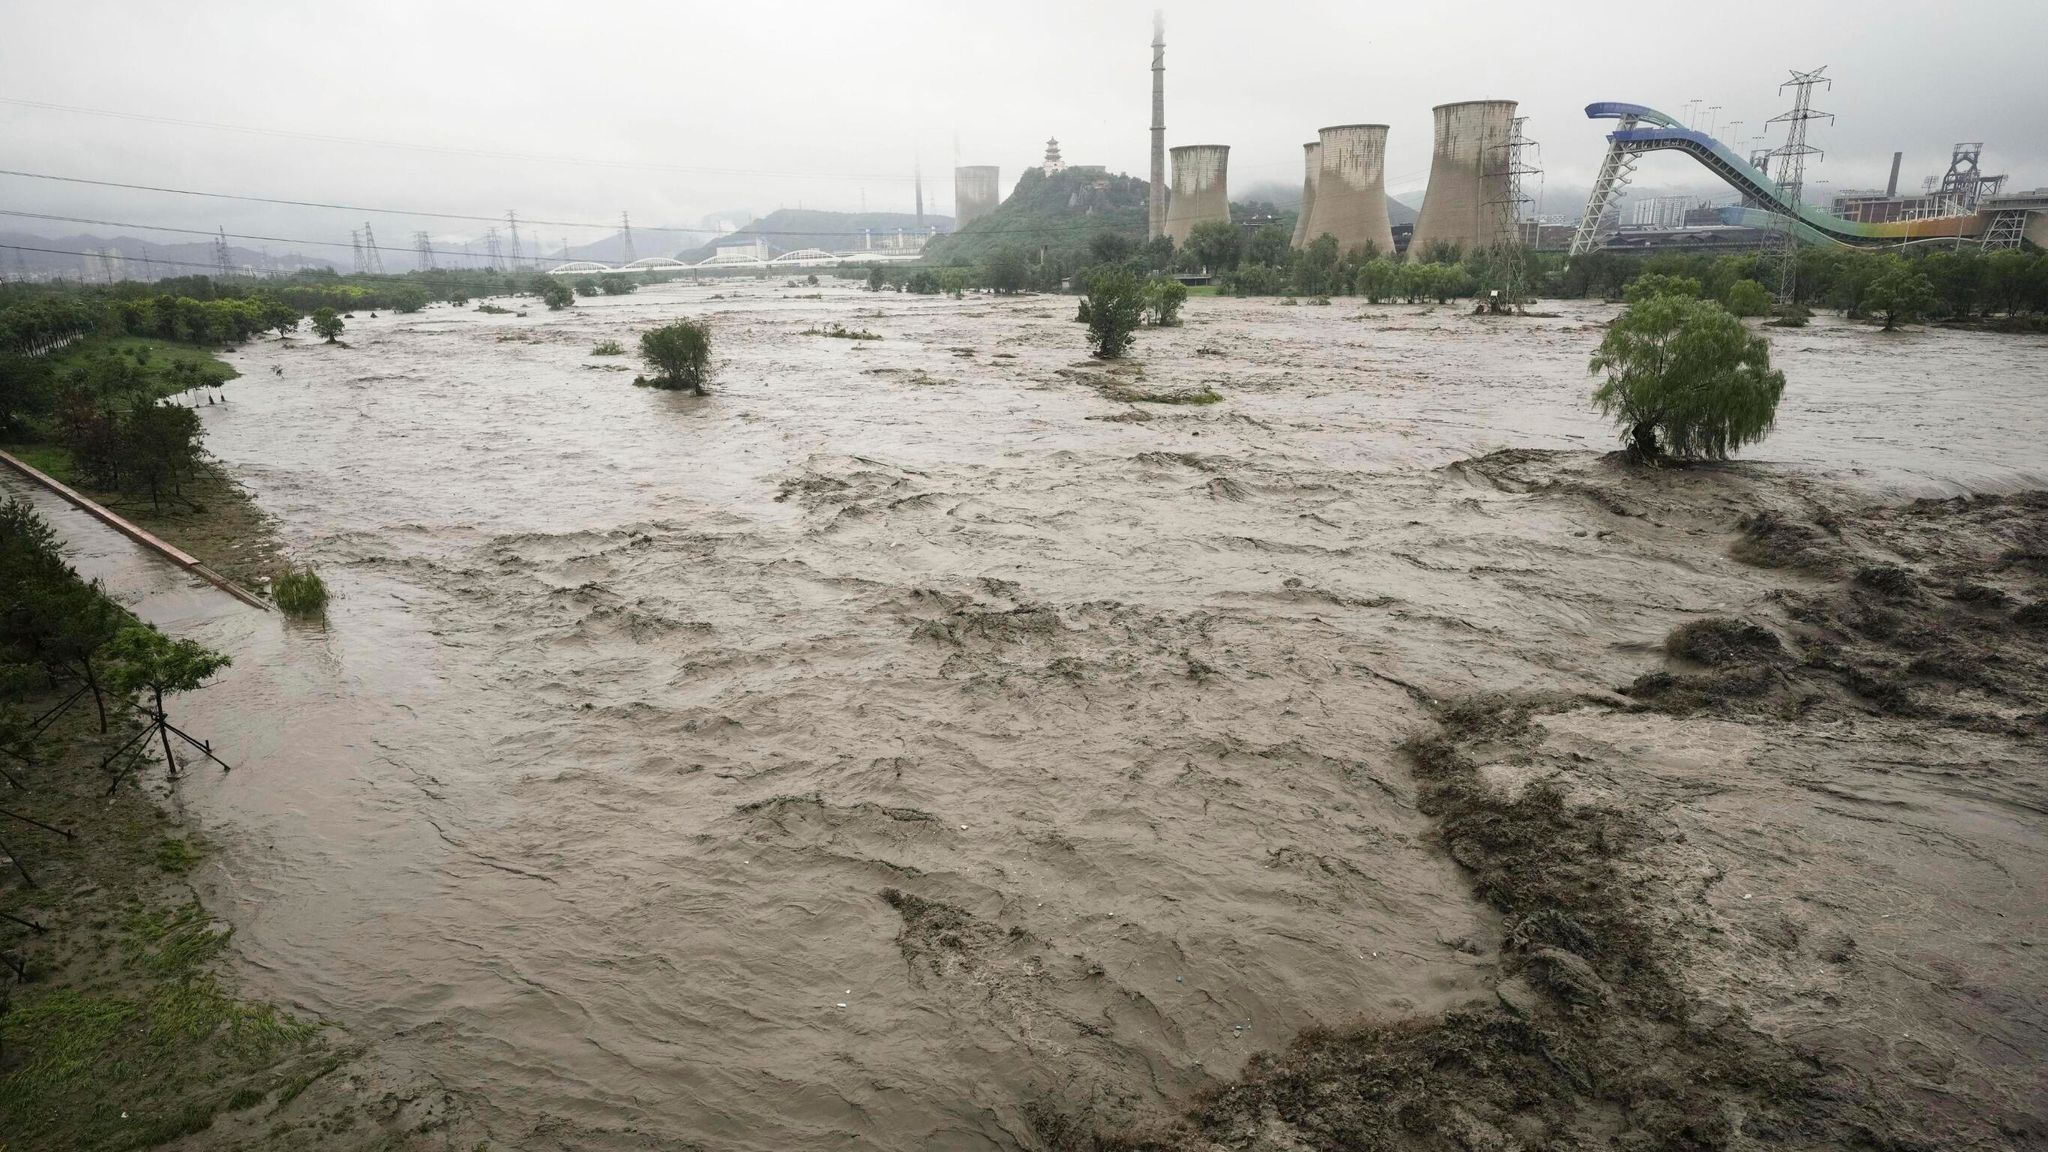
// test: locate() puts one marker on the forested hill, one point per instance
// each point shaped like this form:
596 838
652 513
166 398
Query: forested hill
1059 212
788 229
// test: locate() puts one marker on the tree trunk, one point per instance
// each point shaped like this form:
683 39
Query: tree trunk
92 681
163 730
1642 441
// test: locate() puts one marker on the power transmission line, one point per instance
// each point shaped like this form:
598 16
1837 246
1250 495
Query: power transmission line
367 142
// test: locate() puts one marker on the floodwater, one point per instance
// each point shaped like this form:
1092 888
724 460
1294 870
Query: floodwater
632 705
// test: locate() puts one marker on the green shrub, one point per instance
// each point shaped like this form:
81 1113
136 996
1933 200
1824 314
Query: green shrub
1749 298
1116 306
300 592
1686 369
679 355
1163 298
1654 284
608 348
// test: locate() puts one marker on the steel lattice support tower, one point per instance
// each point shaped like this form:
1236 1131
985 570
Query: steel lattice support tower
1790 157
222 263
1508 163
512 253
373 259
423 251
1156 217
491 252
625 241
1601 214
355 243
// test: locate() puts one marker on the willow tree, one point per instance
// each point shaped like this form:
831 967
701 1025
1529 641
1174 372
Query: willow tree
1684 378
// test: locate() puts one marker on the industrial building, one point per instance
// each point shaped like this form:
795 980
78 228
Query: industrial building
1469 195
1200 191
1351 189
1311 170
977 189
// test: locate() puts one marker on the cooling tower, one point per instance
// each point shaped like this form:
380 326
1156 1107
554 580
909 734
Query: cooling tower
1311 167
1351 189
976 192
1468 181
1201 189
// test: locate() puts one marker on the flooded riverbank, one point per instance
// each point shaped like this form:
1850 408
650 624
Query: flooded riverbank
632 706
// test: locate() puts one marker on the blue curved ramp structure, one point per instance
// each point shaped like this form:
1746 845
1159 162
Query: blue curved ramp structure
1640 130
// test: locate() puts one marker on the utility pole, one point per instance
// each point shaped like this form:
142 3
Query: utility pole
1790 164
512 257
491 249
917 175
423 251
625 241
372 258
355 243
1156 215
221 262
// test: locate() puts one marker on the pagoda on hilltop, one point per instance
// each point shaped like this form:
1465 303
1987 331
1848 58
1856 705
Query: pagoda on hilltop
1053 163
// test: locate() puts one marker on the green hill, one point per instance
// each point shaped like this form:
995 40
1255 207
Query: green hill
1060 212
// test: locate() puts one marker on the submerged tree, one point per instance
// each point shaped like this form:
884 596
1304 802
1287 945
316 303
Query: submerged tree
678 354
145 660
327 324
1901 294
553 292
1686 370
1116 306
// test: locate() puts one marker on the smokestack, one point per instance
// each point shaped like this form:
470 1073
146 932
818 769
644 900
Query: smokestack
1201 189
1468 179
1891 187
1156 217
1351 189
1311 168
976 191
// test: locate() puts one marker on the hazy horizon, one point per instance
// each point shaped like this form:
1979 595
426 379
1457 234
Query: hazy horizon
679 117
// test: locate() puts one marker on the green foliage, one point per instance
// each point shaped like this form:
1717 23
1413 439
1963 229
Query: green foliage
1059 215
1900 293
587 286
326 324
1213 245
1163 299
923 282
1116 306
1378 280
1748 298
299 591
618 284
608 348
840 331
1686 370
877 279
1438 252
678 354
146 660
407 299
554 292
1316 271
1108 247
1005 271
1656 284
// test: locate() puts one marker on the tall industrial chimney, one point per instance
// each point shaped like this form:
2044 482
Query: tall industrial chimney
919 171
1891 187
1468 177
1156 218
1351 189
1201 189
1311 168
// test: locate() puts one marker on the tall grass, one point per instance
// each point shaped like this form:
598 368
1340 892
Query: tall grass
300 592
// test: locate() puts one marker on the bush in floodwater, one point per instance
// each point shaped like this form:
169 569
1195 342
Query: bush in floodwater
300 592
1116 306
1749 298
327 324
678 354
608 348
1685 378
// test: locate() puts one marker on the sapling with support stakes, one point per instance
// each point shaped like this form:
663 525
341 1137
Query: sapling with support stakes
147 661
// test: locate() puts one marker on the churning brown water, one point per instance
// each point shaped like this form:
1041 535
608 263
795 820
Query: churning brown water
633 704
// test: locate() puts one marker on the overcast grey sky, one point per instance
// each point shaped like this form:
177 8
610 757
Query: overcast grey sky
759 105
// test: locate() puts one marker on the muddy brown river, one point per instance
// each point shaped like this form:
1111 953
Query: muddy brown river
631 705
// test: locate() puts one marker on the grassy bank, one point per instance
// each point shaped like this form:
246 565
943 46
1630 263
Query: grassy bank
207 514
